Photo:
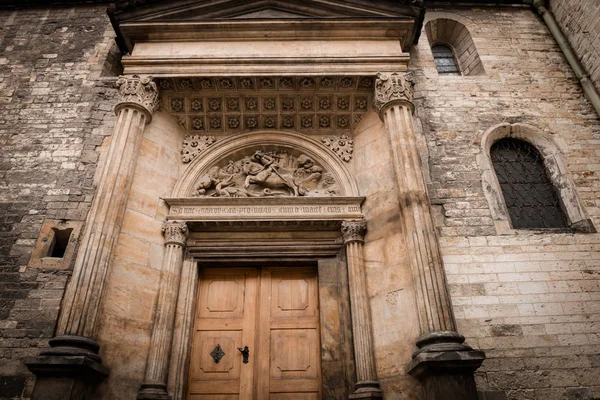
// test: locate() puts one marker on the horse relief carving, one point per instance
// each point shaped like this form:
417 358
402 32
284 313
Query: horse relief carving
267 174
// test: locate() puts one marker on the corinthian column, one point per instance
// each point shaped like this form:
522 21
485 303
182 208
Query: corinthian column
367 386
441 348
78 321
157 365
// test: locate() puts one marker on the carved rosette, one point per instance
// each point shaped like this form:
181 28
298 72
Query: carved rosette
137 92
194 145
354 231
175 232
343 146
393 87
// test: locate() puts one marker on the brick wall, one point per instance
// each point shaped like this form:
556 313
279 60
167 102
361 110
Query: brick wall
530 300
53 115
579 21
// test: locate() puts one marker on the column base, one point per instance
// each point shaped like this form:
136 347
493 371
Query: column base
366 390
65 377
445 366
72 345
153 391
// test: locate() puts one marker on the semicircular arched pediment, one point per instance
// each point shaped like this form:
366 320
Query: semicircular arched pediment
266 164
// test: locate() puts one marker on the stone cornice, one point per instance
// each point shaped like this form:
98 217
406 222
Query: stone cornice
137 92
393 87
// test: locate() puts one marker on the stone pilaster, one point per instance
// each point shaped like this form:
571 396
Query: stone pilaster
78 320
157 365
367 386
441 352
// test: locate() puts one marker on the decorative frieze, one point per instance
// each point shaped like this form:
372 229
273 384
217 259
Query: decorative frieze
137 91
342 146
233 104
194 145
393 87
354 231
175 232
282 209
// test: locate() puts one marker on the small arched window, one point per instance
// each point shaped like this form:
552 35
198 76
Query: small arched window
444 60
529 194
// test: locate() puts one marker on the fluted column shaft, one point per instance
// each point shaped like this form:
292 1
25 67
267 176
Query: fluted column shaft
138 97
367 386
393 99
157 365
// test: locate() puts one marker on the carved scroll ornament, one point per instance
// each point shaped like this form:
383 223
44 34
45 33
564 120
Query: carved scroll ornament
137 91
175 232
391 87
194 145
354 231
273 174
343 146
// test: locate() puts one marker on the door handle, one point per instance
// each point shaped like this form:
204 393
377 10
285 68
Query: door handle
245 353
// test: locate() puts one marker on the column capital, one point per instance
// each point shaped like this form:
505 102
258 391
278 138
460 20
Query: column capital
354 231
137 92
175 232
393 87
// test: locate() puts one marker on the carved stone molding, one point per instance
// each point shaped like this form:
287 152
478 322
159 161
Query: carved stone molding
343 146
194 145
175 232
138 92
393 87
324 104
354 231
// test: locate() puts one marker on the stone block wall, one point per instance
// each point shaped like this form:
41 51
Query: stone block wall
529 299
579 21
55 109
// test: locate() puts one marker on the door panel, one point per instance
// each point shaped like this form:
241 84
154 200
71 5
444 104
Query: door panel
226 315
273 311
289 329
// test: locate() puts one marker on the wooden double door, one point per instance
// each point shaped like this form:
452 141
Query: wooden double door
273 311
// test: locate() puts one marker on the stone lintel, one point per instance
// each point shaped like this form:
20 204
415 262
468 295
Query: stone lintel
65 377
265 209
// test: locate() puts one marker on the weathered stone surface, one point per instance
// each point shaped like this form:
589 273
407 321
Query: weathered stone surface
579 21
55 111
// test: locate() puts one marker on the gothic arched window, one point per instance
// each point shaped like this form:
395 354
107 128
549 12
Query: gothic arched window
529 194
444 60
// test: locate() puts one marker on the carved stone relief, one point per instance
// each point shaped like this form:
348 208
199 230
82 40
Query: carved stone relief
343 146
393 87
194 145
267 173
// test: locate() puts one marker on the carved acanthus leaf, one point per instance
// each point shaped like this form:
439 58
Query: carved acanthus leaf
175 232
194 145
391 87
343 146
354 231
139 91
